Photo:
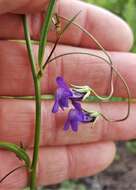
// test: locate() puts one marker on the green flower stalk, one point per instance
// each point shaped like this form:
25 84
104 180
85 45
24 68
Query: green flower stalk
44 34
38 106
37 84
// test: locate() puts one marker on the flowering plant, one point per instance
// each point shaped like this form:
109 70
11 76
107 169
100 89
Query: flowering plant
77 114
65 95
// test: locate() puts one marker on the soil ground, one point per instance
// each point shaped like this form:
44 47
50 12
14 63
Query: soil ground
121 175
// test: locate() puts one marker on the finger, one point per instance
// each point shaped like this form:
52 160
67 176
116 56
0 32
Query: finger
76 69
17 124
22 5
59 163
98 21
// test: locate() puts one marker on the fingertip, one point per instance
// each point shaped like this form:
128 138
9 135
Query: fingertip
102 155
126 37
60 163
109 151
68 162
109 29
97 157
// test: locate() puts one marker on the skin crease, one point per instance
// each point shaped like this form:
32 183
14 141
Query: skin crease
95 70
17 116
20 129
58 169
89 16
6 5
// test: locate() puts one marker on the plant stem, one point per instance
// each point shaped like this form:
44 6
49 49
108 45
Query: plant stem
37 135
11 172
37 104
44 32
114 69
43 97
51 97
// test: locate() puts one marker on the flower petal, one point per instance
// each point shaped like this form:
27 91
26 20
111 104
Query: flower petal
55 107
74 125
80 116
77 105
61 83
88 118
77 96
63 102
66 125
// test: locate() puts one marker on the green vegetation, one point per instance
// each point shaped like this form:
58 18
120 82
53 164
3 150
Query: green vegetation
123 8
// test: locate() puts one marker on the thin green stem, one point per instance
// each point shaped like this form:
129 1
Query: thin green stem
97 43
93 55
11 172
51 97
44 32
57 41
43 97
90 36
38 105
37 135
114 69
34 42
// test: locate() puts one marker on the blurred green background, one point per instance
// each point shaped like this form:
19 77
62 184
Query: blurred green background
123 8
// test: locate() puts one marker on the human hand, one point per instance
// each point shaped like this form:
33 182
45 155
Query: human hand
62 157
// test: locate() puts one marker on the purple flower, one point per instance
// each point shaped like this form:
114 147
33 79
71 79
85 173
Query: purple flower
63 94
77 96
77 115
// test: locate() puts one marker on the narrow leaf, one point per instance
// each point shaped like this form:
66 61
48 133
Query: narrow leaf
20 152
59 37
44 32
70 22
